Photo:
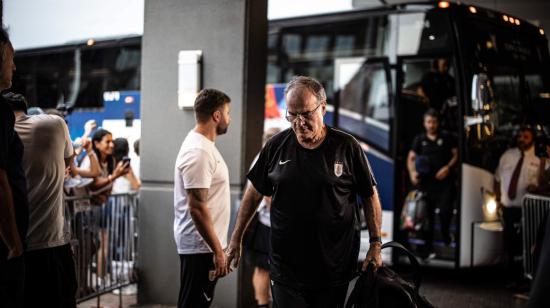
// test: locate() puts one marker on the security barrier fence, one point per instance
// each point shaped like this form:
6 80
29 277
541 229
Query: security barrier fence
535 210
104 242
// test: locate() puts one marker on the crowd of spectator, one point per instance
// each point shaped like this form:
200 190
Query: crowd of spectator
40 169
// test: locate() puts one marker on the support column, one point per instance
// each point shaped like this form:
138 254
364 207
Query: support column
233 37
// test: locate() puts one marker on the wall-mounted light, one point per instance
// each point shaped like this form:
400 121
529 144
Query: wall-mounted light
541 31
189 77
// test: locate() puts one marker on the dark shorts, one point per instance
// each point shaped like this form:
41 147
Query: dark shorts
257 253
196 289
50 278
285 296
104 214
12 282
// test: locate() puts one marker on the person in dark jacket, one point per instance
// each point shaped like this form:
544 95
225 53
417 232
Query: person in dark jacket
14 214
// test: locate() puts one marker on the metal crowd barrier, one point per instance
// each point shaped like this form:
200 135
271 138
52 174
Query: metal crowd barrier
104 242
534 210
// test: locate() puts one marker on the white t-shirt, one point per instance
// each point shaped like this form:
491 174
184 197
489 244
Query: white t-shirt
528 175
200 165
47 144
121 186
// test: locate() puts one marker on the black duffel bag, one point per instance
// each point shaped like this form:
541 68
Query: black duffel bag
385 288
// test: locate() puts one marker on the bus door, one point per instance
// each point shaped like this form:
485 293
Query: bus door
425 83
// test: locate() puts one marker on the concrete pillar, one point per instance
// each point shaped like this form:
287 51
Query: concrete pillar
232 35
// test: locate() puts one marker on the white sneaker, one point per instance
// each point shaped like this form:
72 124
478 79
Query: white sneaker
129 290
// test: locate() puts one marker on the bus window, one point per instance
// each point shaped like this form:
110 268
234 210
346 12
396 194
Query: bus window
291 45
273 72
364 102
46 79
344 45
77 75
515 61
316 47
424 33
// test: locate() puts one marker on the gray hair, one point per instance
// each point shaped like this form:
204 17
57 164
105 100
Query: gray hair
301 83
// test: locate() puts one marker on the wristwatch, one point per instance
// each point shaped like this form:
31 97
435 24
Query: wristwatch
373 239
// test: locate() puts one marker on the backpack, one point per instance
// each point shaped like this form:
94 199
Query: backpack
385 288
414 215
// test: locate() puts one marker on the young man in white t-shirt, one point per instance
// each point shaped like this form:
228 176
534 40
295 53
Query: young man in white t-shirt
202 202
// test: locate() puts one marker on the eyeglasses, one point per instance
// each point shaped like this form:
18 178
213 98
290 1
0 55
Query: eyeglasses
292 116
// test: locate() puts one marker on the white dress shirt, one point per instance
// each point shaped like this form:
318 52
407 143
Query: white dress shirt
528 175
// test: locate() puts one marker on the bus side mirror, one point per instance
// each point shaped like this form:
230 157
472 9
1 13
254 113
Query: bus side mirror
482 93
480 122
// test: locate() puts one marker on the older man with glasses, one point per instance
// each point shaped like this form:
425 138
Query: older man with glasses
317 177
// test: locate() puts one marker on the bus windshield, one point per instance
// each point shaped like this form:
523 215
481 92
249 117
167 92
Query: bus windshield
515 59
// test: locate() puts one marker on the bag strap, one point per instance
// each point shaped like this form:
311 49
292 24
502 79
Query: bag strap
412 259
367 276
366 280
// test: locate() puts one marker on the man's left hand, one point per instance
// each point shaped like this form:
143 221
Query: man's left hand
442 173
373 256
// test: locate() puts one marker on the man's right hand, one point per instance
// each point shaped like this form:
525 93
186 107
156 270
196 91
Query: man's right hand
220 262
233 253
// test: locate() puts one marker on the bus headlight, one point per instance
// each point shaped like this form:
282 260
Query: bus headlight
490 209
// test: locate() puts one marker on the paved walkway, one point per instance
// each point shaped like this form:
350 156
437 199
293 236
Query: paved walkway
483 288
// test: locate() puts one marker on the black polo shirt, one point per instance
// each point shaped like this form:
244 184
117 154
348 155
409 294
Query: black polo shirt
11 155
314 226
438 152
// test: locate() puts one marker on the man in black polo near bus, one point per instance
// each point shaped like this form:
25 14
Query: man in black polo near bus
430 162
315 174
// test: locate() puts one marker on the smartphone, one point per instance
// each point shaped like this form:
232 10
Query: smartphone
125 160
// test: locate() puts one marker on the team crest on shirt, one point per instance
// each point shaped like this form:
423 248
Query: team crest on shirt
338 168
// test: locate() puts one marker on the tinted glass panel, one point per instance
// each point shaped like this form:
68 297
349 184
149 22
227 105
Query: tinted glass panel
311 50
515 59
364 105
80 77
424 33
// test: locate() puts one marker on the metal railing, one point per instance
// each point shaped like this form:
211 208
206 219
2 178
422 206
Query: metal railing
104 242
534 210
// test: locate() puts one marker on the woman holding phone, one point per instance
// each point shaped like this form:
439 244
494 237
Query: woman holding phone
129 182
100 189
